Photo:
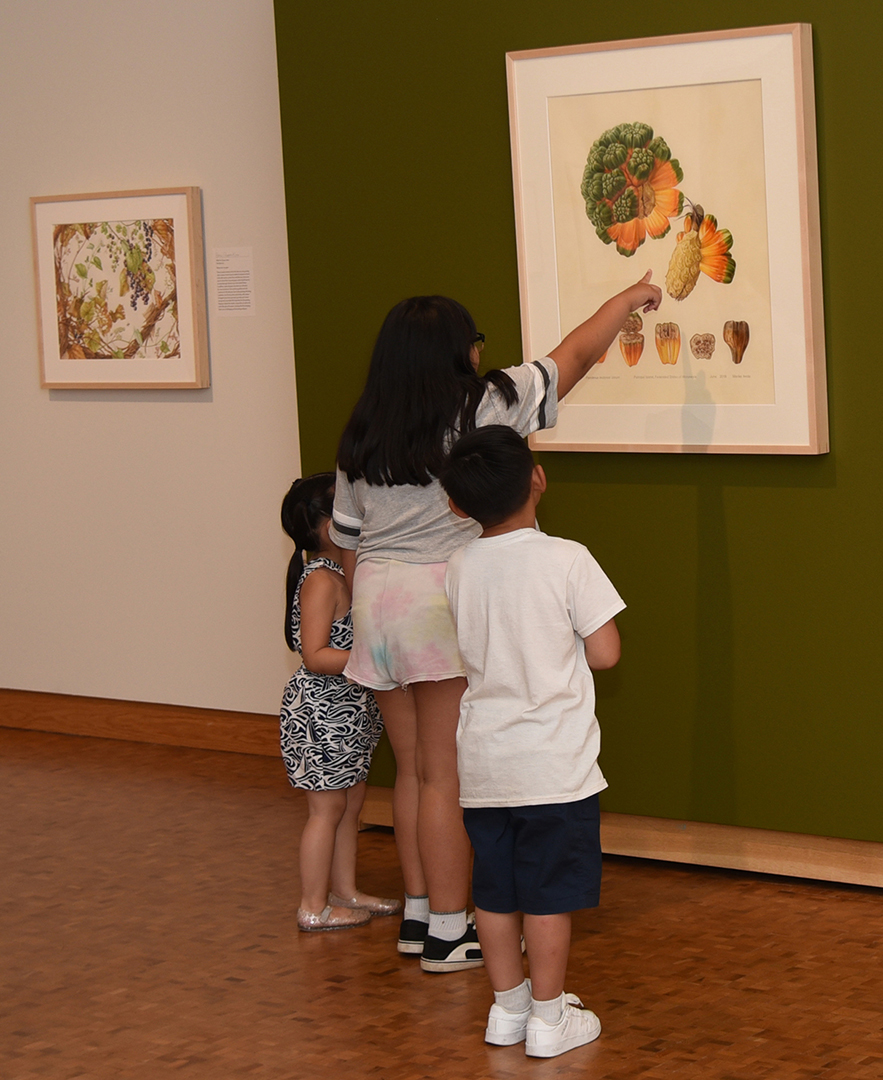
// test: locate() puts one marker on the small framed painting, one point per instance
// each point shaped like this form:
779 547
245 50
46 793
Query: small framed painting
121 290
694 157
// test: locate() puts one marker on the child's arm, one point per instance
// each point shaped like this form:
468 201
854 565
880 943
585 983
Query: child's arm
321 600
584 346
603 648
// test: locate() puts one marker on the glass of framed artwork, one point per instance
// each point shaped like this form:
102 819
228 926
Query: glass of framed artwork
693 156
121 290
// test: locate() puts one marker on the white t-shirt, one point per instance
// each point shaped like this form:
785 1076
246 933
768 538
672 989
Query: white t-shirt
528 733
413 524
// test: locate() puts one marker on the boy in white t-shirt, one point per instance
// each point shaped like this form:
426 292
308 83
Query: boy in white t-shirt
534 615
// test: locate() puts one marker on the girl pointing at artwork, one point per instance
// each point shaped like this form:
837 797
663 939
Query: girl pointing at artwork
396 533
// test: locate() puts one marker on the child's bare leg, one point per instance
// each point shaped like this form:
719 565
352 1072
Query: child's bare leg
557 1023
500 938
547 938
444 845
343 868
400 720
326 809
346 842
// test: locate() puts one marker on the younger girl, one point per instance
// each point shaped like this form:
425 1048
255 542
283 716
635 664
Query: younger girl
329 727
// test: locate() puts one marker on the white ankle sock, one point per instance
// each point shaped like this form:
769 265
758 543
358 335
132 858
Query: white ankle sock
416 908
550 1011
447 925
516 1000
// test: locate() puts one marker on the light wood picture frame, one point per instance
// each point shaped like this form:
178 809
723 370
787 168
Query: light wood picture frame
120 279
693 156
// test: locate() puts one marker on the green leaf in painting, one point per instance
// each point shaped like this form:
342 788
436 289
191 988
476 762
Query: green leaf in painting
134 258
97 262
81 270
138 337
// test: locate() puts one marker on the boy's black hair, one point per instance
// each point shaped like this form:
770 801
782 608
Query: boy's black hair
421 386
488 473
306 505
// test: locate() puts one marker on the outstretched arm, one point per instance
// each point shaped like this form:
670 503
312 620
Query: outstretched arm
584 346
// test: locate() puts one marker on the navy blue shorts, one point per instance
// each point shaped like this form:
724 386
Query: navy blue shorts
540 860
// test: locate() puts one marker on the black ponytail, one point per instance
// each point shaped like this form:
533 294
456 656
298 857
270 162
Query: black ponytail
308 503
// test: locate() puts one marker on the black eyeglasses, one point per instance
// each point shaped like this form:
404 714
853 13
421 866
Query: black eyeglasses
478 341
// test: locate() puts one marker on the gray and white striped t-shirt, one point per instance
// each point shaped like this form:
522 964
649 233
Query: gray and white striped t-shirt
413 524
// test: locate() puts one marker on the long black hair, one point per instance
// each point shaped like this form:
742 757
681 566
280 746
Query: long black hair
307 504
421 386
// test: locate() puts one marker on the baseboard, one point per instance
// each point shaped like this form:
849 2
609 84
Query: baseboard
139 721
763 851
855 862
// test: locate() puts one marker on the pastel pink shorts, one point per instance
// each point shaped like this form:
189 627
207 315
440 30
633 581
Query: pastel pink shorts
403 630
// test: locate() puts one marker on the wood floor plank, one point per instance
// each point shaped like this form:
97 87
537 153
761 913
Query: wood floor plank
148 929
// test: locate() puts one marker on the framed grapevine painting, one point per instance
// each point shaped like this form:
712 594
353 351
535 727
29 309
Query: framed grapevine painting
693 157
121 289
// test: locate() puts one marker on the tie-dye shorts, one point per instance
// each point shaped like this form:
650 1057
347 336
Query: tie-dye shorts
403 630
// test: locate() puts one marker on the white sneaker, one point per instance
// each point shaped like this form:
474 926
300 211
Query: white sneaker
506 1028
576 1027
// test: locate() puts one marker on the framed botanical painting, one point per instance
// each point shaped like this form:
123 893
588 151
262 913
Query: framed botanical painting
121 289
693 157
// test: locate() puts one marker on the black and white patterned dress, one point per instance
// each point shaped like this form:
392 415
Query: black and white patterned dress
328 726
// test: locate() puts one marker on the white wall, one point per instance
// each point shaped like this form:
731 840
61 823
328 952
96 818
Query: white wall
141 555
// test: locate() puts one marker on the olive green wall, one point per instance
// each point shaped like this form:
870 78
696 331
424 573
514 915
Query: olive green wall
751 683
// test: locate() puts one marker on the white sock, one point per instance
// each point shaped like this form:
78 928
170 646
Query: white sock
416 908
516 1000
550 1011
447 925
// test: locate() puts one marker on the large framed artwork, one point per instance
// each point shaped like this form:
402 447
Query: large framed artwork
121 289
693 157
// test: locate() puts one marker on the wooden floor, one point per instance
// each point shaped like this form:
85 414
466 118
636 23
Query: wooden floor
148 930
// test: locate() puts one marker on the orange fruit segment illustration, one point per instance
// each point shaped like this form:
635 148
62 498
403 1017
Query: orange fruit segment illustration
631 340
668 342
